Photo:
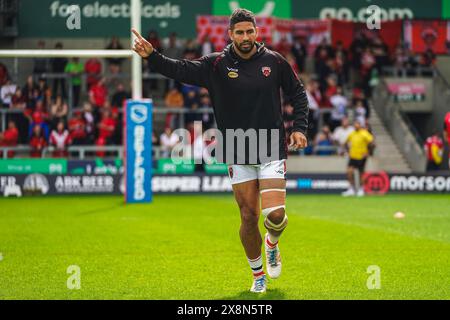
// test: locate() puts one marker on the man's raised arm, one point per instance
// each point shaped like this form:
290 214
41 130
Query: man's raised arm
191 72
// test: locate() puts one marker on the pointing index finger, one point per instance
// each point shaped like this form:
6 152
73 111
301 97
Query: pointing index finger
136 33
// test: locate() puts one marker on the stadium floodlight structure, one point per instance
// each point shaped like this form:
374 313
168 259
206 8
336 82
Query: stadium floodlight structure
138 112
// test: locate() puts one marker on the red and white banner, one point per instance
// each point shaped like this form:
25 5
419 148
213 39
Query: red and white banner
406 88
312 30
216 27
422 35
346 31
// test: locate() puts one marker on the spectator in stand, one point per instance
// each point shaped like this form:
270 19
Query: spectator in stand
299 50
155 140
357 48
58 66
339 103
75 68
427 60
77 128
360 113
173 99
330 91
29 92
283 47
172 50
93 70
368 63
358 94
18 101
434 150
380 52
97 96
89 120
316 93
4 76
340 135
58 112
60 139
120 96
153 38
105 130
205 103
191 50
38 117
313 94
341 63
399 60
324 50
41 64
206 47
292 62
446 132
37 142
191 102
114 64
7 92
412 63
116 115
323 143
168 140
9 138
323 67
44 92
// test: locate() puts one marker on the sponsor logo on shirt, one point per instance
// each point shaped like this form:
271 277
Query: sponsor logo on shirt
233 75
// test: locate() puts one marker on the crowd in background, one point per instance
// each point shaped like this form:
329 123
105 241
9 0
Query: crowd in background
338 86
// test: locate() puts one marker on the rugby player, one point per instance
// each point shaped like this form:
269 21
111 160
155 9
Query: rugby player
244 82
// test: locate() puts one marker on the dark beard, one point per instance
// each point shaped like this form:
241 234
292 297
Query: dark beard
244 50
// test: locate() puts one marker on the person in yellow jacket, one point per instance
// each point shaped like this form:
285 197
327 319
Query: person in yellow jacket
360 144
434 150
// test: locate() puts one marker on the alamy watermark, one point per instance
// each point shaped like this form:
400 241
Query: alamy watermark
74 280
374 279
374 19
73 21
232 146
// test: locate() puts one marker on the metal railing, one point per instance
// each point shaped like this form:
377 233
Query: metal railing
418 71
401 131
81 152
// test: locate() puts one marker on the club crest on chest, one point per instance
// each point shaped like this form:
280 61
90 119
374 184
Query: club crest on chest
266 71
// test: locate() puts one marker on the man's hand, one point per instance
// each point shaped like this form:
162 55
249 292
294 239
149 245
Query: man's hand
297 141
141 46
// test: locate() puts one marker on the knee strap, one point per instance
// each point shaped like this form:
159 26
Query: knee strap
276 227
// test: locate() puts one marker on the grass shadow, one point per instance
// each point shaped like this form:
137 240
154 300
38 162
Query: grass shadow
270 294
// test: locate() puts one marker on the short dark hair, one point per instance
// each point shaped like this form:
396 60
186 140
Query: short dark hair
242 15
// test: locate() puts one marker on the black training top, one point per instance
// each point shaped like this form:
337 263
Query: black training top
245 93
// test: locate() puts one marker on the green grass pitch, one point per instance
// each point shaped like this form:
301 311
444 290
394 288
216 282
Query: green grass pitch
188 247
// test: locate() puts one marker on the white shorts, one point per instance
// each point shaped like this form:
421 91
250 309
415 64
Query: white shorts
271 170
